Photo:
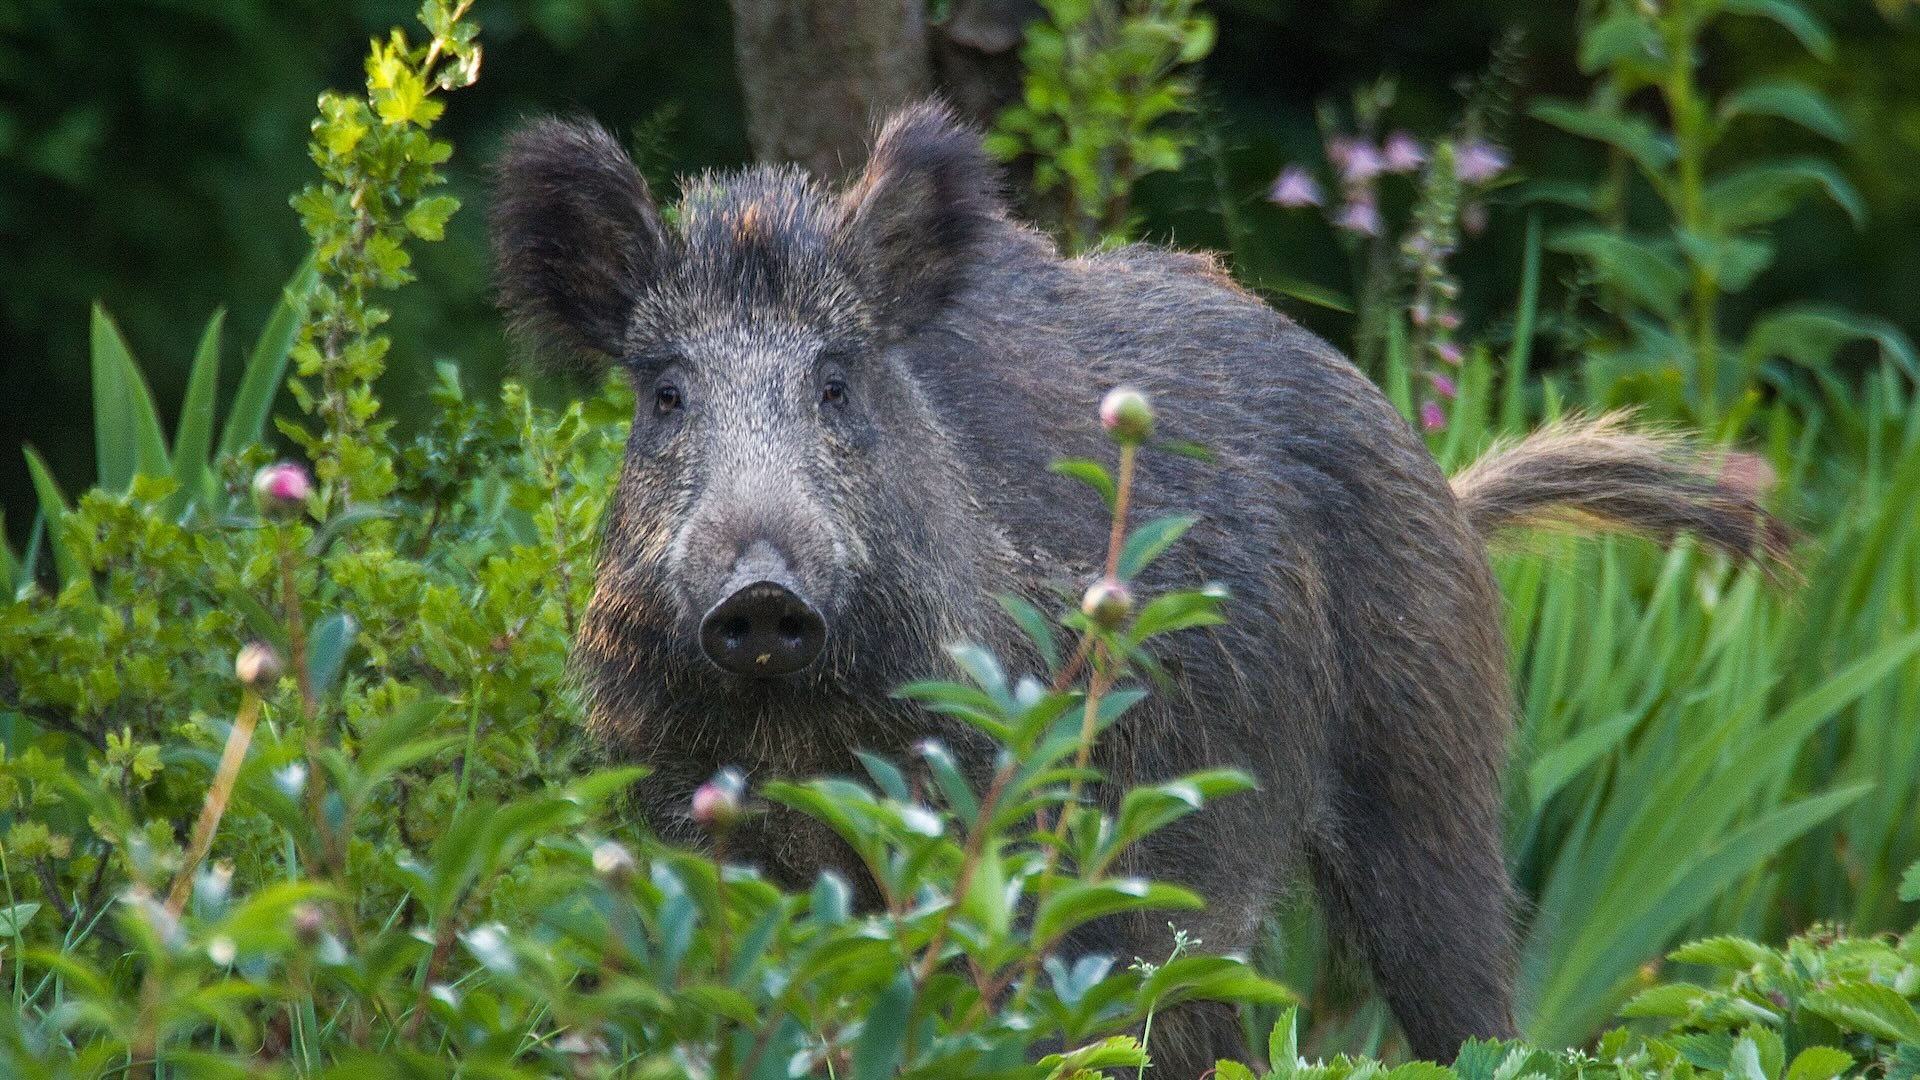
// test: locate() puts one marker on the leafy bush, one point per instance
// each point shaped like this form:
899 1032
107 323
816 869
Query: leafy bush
1663 278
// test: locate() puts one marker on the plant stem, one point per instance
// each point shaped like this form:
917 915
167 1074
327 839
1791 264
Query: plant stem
216 804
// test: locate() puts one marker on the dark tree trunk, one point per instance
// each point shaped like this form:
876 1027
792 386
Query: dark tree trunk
818 74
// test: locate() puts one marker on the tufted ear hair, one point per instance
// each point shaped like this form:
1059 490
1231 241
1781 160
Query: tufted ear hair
576 241
920 214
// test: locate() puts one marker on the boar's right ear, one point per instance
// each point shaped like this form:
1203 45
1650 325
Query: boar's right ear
920 213
576 240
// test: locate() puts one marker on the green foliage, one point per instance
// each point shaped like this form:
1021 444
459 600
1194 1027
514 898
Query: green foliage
378 166
1663 279
1104 82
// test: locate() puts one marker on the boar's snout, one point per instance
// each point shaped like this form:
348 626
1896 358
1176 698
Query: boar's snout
762 625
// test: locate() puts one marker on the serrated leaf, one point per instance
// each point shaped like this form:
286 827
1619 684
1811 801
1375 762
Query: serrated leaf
1726 952
1672 1001
1819 1063
1910 884
1869 1008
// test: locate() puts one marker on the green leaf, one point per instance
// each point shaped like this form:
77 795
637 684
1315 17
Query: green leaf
1734 953
1283 1044
878 1052
1786 100
1794 18
1623 37
1672 1001
1766 192
1819 1063
1146 543
1644 268
15 918
1037 627
1811 334
428 218
1910 884
267 363
54 510
193 439
1080 902
1869 1008
10 569
126 426
327 650
1634 136
1091 473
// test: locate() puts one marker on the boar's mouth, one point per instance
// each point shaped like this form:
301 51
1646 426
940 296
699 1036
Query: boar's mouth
762 626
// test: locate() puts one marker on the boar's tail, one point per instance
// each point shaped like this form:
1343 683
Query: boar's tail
1596 475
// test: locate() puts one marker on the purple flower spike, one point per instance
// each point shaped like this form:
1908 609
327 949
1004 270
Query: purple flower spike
1295 188
1431 417
1402 153
1360 216
1362 164
1477 161
1443 385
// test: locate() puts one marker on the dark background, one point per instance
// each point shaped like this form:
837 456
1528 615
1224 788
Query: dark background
147 151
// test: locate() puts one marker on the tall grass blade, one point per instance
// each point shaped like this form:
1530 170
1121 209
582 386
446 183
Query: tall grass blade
193 440
126 426
267 364
53 509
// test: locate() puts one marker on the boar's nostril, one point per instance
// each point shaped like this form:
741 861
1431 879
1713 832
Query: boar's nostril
762 629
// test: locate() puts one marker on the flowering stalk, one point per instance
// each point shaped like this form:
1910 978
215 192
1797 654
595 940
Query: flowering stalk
224 778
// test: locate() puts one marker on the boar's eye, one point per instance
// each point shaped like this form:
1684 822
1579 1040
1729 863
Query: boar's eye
666 399
833 393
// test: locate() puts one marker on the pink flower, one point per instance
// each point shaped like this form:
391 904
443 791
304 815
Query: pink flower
1360 216
716 803
1443 385
1431 417
1449 320
1295 188
1356 161
1420 313
282 488
1473 218
1477 161
1402 153
1448 352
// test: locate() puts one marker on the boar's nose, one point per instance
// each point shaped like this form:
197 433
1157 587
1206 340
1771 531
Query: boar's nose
762 626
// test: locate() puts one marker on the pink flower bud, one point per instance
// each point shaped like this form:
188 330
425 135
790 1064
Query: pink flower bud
258 667
1443 385
1362 163
1448 353
1431 417
1108 603
282 488
1295 188
716 803
1127 416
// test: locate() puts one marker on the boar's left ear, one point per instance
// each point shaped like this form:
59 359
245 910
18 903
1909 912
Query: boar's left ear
576 240
920 213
